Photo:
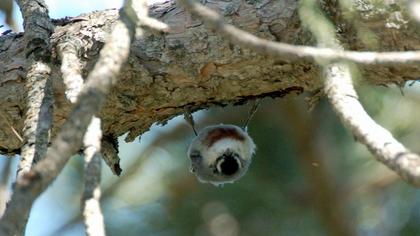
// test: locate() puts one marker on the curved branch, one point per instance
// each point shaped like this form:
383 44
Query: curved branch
338 86
379 141
293 52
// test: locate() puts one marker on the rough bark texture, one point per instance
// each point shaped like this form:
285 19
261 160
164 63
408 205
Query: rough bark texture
191 68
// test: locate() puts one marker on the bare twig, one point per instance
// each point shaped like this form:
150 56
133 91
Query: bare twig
379 141
292 52
138 12
38 28
93 217
69 51
68 141
340 91
5 175
135 167
39 96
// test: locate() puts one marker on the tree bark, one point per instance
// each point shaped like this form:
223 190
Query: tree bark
192 68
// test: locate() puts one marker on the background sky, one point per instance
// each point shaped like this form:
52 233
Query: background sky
63 8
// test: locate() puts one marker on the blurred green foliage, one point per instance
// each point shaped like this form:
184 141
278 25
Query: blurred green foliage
309 177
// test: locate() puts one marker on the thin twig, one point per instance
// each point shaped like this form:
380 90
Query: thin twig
39 95
340 91
70 50
38 120
251 113
135 167
5 175
104 74
292 52
92 214
190 120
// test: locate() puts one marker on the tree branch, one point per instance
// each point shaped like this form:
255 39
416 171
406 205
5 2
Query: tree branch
38 116
135 167
4 184
69 51
68 141
93 217
192 67
340 91
38 28
293 52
